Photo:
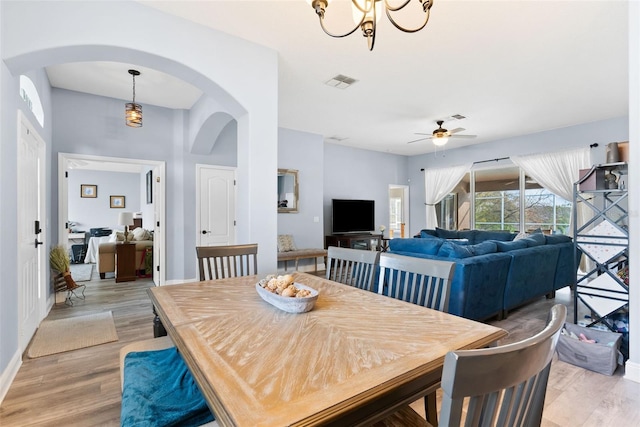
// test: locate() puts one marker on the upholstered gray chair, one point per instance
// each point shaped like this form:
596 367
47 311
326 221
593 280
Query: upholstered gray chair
353 267
219 262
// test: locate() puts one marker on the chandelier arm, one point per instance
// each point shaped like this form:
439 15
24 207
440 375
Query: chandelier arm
408 30
388 7
327 32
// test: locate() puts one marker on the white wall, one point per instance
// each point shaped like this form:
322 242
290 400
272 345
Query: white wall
304 152
351 173
89 212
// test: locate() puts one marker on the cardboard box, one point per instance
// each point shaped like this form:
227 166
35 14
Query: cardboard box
601 357
595 181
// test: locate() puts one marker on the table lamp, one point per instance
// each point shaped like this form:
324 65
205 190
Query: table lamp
126 219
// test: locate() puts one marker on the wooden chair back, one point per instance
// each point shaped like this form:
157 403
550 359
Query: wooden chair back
421 281
503 385
353 267
219 262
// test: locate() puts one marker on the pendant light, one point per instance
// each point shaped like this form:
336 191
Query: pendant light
133 111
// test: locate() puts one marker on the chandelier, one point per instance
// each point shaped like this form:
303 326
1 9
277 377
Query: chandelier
133 111
366 14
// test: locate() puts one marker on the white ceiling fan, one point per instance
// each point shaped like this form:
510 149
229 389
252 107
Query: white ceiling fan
441 135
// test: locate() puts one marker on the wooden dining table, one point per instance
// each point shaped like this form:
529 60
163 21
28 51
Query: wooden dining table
355 358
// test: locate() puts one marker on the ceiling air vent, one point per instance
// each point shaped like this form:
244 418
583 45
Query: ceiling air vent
340 81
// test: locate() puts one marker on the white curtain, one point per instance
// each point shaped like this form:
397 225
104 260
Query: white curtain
437 184
557 172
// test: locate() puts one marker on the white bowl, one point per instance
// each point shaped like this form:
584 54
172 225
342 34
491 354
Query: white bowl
289 304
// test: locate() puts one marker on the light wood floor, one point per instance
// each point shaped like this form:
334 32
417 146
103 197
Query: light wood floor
82 387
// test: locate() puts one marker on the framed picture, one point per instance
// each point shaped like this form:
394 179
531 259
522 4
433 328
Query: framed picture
116 201
87 190
149 187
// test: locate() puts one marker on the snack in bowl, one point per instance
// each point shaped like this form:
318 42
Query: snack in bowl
283 293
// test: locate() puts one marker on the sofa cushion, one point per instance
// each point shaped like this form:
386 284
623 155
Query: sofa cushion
503 236
141 234
426 233
536 239
470 235
421 246
452 250
483 248
447 234
554 239
510 246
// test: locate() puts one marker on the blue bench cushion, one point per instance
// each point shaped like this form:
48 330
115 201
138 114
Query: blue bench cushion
159 390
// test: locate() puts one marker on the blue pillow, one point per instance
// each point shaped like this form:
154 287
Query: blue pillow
509 246
554 239
451 250
447 234
426 232
483 248
420 246
536 239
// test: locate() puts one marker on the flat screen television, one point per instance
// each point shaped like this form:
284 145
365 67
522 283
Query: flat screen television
352 216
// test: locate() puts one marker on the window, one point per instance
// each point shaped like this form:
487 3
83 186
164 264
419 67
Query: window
545 210
494 199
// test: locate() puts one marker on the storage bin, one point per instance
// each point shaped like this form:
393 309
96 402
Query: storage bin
601 357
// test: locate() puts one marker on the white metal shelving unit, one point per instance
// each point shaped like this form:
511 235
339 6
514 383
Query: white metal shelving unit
604 240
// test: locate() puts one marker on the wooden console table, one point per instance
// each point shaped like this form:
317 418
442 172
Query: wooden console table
366 241
125 262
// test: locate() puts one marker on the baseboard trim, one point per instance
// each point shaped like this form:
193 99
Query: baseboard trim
632 371
9 374
177 282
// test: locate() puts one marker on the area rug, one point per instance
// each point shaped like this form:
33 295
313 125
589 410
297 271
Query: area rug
81 272
58 336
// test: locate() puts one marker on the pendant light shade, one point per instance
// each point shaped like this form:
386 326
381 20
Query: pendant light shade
133 111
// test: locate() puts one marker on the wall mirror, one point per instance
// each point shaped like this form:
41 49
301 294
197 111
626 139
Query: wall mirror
288 190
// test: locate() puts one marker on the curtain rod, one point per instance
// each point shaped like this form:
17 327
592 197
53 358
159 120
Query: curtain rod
490 160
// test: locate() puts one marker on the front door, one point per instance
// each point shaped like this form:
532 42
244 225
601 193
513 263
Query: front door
216 204
30 208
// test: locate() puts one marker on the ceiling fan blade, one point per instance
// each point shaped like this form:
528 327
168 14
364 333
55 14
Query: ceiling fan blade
420 133
456 130
463 136
416 140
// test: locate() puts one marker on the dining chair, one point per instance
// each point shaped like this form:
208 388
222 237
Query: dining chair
504 385
353 267
219 262
419 281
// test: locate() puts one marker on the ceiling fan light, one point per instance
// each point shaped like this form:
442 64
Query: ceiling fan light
440 141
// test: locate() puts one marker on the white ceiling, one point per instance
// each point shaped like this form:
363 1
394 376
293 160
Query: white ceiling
511 67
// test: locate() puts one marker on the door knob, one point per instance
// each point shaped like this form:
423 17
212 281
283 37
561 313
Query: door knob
37 243
205 232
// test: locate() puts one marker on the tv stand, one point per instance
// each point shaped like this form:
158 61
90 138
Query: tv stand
366 241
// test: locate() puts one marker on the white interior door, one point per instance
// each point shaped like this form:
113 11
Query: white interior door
216 201
31 244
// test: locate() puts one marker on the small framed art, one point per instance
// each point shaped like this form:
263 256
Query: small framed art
116 201
87 190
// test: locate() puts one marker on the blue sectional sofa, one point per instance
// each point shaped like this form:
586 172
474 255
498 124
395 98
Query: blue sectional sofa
494 272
